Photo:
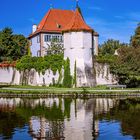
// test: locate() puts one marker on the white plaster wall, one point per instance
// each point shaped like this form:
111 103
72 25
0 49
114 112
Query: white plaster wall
16 79
46 78
87 45
12 76
78 48
7 75
35 46
96 45
103 75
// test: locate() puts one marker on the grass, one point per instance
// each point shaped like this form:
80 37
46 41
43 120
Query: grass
45 87
99 87
36 90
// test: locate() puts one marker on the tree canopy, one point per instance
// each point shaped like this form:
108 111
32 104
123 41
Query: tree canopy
135 39
107 50
109 47
12 46
125 65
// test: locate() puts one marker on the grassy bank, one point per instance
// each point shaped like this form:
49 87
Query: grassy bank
39 91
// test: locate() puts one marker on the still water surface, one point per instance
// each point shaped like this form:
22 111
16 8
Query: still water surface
69 119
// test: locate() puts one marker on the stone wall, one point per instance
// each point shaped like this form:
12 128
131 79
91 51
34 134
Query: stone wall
101 76
11 76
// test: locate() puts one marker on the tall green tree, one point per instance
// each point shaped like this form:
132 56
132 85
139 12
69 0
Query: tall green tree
67 81
127 66
109 47
12 46
135 39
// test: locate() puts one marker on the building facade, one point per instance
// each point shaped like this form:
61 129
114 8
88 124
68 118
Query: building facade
51 27
70 30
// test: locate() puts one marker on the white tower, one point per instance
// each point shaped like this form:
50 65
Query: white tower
79 48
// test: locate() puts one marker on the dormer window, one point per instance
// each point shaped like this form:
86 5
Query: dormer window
58 26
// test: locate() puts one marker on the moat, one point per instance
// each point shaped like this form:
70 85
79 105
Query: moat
69 119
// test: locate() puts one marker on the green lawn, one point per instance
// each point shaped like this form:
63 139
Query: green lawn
18 89
101 87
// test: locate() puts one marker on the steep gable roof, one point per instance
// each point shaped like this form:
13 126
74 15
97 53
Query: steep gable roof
77 24
54 21
58 21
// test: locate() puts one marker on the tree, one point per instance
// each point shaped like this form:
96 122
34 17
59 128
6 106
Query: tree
12 47
67 81
109 47
135 39
55 47
127 66
75 75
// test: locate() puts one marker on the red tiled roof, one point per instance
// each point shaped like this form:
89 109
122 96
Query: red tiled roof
77 24
61 20
7 64
53 19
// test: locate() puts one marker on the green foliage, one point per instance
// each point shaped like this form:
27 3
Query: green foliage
12 47
75 75
55 47
40 64
135 39
53 62
107 51
109 47
67 81
127 66
105 58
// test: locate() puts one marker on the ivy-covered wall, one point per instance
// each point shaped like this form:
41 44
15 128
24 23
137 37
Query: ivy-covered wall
52 70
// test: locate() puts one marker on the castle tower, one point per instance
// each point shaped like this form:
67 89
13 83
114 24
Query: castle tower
79 48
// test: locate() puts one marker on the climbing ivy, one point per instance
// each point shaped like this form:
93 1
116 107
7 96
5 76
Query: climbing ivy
67 81
41 64
55 62
75 75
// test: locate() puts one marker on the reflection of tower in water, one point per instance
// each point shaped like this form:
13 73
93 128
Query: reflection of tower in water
37 127
48 127
98 106
78 116
81 124
42 129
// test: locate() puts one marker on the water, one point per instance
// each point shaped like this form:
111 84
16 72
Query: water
69 119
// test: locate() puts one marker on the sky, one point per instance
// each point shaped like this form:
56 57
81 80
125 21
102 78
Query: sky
112 19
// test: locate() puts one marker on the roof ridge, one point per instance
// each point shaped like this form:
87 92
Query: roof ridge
77 23
46 18
69 20
62 9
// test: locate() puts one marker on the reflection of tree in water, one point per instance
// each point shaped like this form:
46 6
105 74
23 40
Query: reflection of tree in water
128 113
8 122
67 107
46 116
49 120
53 116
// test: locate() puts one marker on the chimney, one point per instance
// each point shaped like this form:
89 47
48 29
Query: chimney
34 28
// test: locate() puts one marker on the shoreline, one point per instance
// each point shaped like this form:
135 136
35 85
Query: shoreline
22 92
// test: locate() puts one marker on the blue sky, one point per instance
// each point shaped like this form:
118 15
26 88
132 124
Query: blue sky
115 19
